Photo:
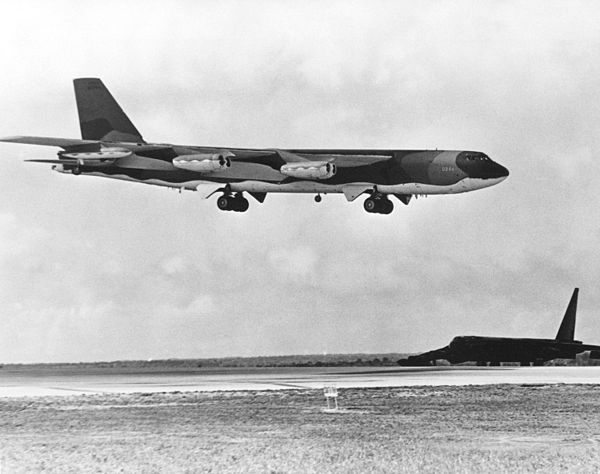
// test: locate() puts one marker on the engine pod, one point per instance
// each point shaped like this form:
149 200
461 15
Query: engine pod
309 169
104 157
203 162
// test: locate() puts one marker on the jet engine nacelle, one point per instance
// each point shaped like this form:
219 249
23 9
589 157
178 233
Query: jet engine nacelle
594 354
309 169
105 156
203 162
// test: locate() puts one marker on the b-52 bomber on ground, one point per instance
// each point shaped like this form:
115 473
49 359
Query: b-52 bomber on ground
112 147
496 350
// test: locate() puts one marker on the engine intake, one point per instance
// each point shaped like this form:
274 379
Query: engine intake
309 169
203 162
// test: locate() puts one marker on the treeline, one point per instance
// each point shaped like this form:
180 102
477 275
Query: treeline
342 362
309 360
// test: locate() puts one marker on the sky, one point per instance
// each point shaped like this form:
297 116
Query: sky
97 269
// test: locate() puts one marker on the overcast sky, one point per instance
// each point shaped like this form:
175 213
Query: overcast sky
97 269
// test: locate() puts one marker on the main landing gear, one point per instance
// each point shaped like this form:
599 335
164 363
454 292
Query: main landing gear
378 203
236 202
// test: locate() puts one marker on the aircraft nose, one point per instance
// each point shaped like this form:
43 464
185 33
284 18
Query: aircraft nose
496 170
479 165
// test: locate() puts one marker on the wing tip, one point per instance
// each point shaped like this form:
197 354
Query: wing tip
11 138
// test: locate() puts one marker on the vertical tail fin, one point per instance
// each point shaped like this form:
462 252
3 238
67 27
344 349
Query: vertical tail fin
566 332
100 116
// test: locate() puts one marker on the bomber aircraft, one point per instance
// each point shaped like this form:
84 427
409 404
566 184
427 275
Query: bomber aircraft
111 146
496 350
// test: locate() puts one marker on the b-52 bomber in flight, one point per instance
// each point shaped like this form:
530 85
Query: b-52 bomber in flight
112 147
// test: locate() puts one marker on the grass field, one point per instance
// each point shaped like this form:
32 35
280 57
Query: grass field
502 428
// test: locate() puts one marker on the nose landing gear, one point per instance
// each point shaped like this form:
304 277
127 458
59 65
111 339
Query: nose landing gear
229 202
379 204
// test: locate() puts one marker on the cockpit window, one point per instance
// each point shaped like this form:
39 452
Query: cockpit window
476 157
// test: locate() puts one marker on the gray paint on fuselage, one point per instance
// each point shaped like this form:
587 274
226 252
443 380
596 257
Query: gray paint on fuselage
443 169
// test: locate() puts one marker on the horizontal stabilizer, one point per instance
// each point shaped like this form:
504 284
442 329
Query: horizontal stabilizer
51 141
55 162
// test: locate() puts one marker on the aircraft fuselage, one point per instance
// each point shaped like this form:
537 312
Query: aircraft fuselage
403 172
500 349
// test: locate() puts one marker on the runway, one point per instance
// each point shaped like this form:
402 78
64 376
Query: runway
24 381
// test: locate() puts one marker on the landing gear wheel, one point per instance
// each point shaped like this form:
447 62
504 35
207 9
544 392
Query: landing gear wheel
242 204
76 171
318 198
237 203
370 205
224 202
386 206
379 204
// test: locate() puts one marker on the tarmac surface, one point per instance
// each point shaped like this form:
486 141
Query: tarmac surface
64 381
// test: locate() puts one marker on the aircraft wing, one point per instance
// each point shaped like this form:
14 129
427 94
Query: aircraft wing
350 160
270 157
289 157
50 141
341 160
276 158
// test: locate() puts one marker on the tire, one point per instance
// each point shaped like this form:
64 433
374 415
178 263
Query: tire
386 206
242 205
370 205
224 203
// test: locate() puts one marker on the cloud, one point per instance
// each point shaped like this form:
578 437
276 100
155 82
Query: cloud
173 265
299 262
202 304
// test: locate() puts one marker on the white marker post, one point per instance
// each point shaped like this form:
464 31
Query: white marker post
330 393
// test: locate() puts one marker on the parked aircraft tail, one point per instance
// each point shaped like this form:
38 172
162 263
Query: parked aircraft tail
566 332
100 116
